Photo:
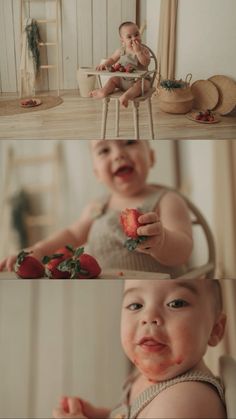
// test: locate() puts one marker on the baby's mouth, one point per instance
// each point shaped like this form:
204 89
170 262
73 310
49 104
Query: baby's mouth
149 344
124 171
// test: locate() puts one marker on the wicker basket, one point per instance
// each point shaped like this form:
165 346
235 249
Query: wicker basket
178 100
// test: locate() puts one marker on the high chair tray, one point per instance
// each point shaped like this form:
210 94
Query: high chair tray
106 274
135 74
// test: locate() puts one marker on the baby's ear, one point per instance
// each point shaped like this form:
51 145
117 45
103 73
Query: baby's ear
218 330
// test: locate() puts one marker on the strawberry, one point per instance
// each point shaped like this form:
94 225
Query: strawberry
81 265
129 221
64 404
130 224
28 267
122 69
129 68
54 260
89 265
116 66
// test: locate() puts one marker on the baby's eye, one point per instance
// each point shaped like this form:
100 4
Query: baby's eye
104 150
134 306
131 142
177 303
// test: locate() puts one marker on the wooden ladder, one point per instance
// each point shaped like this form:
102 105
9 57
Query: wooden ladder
54 21
48 219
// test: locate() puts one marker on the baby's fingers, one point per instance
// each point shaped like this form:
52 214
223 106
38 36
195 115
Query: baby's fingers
75 406
148 217
153 229
2 264
59 413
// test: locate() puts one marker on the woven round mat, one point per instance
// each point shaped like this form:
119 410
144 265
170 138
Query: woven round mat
227 91
206 95
13 107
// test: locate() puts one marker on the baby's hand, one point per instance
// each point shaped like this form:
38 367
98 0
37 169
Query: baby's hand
70 407
101 67
8 263
136 46
153 229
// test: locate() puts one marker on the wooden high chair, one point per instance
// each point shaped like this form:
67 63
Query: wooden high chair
228 376
135 102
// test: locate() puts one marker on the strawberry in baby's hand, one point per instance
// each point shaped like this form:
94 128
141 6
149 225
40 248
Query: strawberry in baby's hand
64 404
54 260
129 221
28 267
81 265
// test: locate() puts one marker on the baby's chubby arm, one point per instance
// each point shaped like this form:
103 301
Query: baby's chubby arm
76 235
169 231
142 53
189 400
109 61
74 407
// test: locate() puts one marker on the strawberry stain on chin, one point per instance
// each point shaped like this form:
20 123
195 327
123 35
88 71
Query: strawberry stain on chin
152 371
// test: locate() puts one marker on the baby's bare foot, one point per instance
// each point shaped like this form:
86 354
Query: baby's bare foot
97 94
124 101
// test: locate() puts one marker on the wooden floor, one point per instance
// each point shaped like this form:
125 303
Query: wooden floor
80 118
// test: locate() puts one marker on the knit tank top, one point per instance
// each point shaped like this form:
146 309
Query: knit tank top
106 240
126 411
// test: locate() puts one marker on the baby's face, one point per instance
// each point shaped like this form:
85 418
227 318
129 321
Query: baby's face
122 165
166 325
129 35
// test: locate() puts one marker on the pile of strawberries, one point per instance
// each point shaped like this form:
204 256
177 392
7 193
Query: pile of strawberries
206 116
129 222
66 263
29 102
124 69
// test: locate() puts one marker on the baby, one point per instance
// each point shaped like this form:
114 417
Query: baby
131 53
123 166
166 327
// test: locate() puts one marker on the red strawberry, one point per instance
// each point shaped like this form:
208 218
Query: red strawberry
88 264
122 69
64 404
116 66
129 222
54 260
28 267
81 265
129 68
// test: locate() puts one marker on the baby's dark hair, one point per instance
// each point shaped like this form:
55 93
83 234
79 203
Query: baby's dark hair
124 24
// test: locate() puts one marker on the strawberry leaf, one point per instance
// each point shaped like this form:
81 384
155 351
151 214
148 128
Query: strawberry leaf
70 248
47 259
78 252
131 244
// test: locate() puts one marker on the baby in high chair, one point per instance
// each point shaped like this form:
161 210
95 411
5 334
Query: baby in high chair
123 166
132 55
166 327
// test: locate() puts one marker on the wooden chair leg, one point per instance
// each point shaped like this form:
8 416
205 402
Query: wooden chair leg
149 104
117 118
106 101
136 119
